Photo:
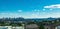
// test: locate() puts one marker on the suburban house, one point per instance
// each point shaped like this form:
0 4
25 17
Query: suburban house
50 26
31 26
11 27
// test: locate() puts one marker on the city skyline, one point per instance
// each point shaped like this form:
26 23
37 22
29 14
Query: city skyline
30 8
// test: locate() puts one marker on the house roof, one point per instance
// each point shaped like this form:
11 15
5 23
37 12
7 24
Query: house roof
31 26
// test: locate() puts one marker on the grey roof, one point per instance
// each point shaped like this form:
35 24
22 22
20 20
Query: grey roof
31 26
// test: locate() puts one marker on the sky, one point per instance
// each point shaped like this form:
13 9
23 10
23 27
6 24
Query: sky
30 8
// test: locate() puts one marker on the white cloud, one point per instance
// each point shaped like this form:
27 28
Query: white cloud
53 6
43 9
9 15
36 10
51 9
19 10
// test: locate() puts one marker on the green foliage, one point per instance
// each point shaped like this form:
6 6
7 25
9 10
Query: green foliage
10 24
41 26
31 23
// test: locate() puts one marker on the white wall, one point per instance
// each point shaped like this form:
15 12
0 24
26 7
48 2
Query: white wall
21 27
57 27
10 27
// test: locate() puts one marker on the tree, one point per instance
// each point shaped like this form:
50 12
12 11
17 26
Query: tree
31 23
40 24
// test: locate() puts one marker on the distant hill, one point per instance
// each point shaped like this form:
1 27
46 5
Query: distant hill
33 19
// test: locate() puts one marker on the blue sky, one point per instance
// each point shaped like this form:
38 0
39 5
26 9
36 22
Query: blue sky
30 8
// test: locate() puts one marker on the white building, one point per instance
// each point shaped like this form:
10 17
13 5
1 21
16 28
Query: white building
31 26
11 27
58 27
